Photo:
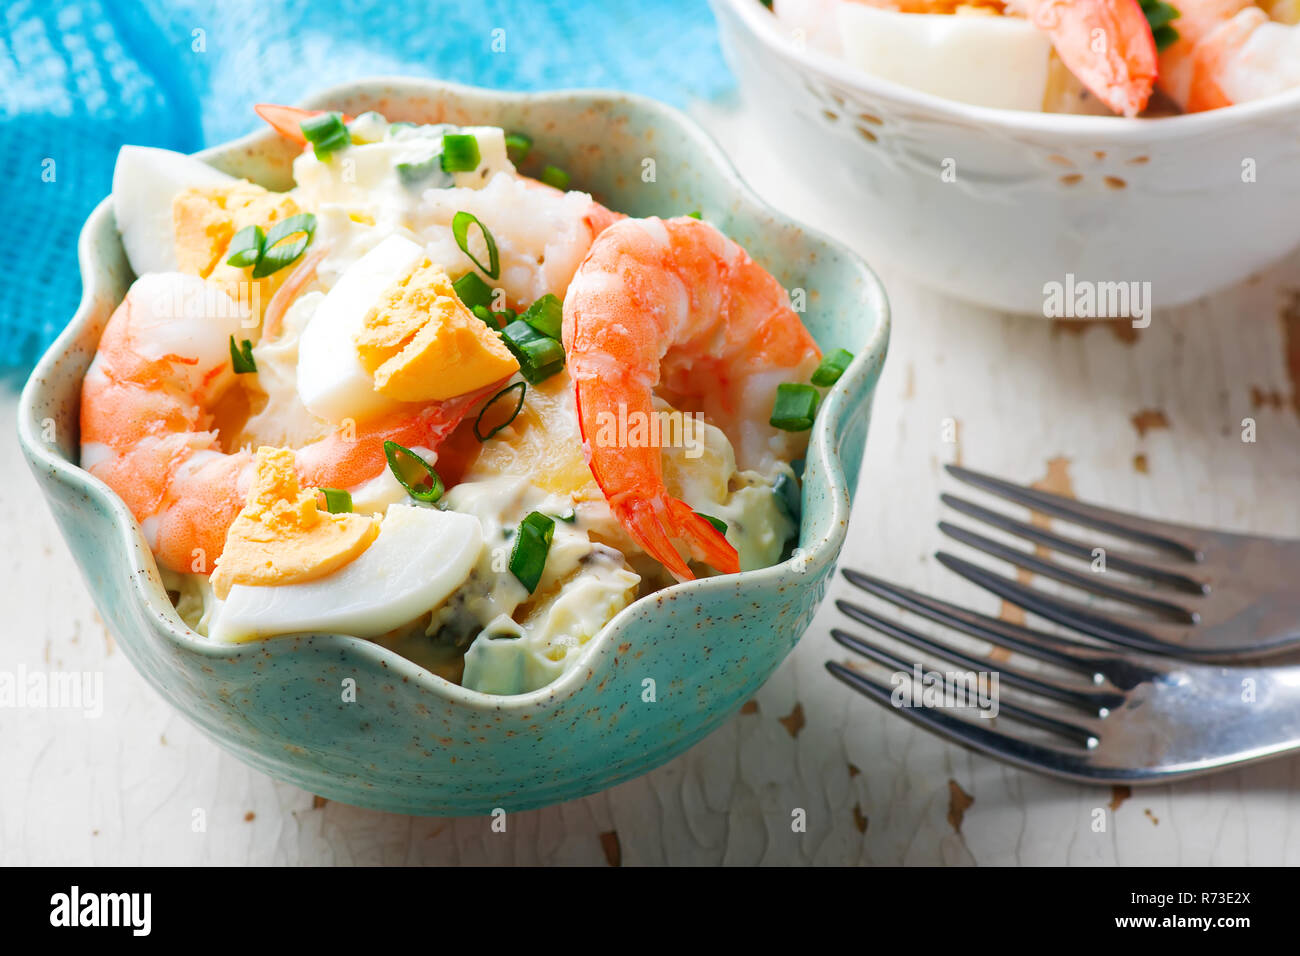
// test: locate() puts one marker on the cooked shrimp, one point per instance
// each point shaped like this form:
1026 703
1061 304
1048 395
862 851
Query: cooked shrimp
1228 51
676 303
1107 44
541 232
148 404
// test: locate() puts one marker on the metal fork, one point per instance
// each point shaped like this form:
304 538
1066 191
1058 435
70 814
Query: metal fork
1128 718
1210 595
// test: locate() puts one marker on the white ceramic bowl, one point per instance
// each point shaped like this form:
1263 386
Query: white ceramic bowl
1189 204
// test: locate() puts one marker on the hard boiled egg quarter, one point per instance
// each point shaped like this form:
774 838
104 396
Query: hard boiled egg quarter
984 60
145 181
421 556
332 382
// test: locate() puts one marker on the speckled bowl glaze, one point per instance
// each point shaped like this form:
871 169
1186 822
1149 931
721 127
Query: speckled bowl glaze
412 742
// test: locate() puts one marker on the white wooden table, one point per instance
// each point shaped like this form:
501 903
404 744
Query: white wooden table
1151 422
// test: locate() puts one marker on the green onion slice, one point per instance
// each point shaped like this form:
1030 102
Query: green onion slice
570 518
337 501
1159 16
412 174
832 367
241 357
546 315
695 214
277 252
460 153
532 542
488 317
326 132
473 291
539 356
394 452
717 523
519 404
518 145
460 224
795 407
555 176
246 247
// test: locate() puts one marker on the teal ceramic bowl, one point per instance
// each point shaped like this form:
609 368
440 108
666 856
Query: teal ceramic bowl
664 673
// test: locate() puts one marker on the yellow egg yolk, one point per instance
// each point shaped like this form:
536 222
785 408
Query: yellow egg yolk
281 536
422 345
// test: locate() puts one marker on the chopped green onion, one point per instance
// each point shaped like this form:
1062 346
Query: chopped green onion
460 153
539 356
832 367
795 407
246 247
460 224
518 146
1159 16
695 214
555 176
473 291
413 174
570 518
430 494
546 315
787 494
532 542
326 132
241 357
488 317
337 501
717 523
519 404
276 253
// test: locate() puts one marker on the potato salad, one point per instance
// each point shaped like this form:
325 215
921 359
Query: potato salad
427 400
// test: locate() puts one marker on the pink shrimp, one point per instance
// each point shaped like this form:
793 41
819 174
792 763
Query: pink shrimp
287 120
1107 44
676 303
147 417
1228 51
288 293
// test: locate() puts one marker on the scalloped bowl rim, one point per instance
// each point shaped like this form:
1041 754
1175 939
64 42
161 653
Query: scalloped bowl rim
763 26
858 378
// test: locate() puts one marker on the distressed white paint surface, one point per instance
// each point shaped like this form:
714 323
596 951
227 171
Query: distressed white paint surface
123 788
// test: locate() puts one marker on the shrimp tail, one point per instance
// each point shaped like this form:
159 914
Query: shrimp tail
1107 44
287 120
657 523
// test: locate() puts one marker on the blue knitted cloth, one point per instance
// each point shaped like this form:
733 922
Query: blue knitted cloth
78 78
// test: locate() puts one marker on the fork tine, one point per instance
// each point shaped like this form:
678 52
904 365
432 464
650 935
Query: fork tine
1038 644
1145 568
975 734
1051 569
1153 637
1179 539
1079 734
1076 696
